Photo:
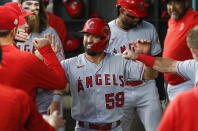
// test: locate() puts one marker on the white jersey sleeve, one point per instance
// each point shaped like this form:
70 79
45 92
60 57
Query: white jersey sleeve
187 69
155 43
134 70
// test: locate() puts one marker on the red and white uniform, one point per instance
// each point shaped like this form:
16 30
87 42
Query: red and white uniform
140 96
19 113
98 90
181 113
175 47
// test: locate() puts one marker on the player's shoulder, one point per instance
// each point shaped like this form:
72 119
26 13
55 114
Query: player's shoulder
48 30
56 18
147 25
114 57
112 23
73 61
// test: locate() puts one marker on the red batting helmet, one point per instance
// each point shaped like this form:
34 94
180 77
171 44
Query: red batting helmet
134 7
98 26
71 44
75 8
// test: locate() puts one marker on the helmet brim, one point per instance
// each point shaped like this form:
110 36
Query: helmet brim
137 13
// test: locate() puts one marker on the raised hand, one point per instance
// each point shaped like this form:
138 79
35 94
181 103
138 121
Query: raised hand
21 35
54 45
53 106
142 46
129 54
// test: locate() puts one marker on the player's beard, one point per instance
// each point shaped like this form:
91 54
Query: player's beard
178 16
33 22
89 51
130 25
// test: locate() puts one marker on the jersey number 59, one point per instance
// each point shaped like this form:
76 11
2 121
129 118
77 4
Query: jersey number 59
113 100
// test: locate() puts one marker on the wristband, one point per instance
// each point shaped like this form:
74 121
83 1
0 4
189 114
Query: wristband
57 98
146 59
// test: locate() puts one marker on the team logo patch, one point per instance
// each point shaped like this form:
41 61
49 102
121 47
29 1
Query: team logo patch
113 38
80 66
16 21
181 26
90 25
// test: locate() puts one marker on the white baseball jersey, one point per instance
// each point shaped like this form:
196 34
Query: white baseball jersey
188 70
121 39
144 97
28 45
44 97
97 90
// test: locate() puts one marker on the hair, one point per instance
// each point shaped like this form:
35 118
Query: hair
118 10
4 33
192 38
42 16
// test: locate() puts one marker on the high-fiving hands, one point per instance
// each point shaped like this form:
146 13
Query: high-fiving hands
142 47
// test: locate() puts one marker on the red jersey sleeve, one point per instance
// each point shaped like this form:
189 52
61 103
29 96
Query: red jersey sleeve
49 75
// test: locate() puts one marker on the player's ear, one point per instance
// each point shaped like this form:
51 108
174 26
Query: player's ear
194 52
121 10
13 31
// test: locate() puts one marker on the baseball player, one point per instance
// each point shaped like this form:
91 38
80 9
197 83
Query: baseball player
182 20
29 72
37 28
183 109
18 112
97 80
186 69
140 96
57 23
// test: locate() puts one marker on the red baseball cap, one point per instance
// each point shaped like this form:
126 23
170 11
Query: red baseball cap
9 18
21 12
134 7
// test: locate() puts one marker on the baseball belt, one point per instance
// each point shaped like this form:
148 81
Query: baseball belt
94 126
133 83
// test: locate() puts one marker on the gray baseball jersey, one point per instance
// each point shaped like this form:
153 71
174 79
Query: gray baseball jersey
97 90
188 70
44 97
121 39
144 97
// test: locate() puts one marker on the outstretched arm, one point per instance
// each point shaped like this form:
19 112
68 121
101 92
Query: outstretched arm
149 73
143 47
164 65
